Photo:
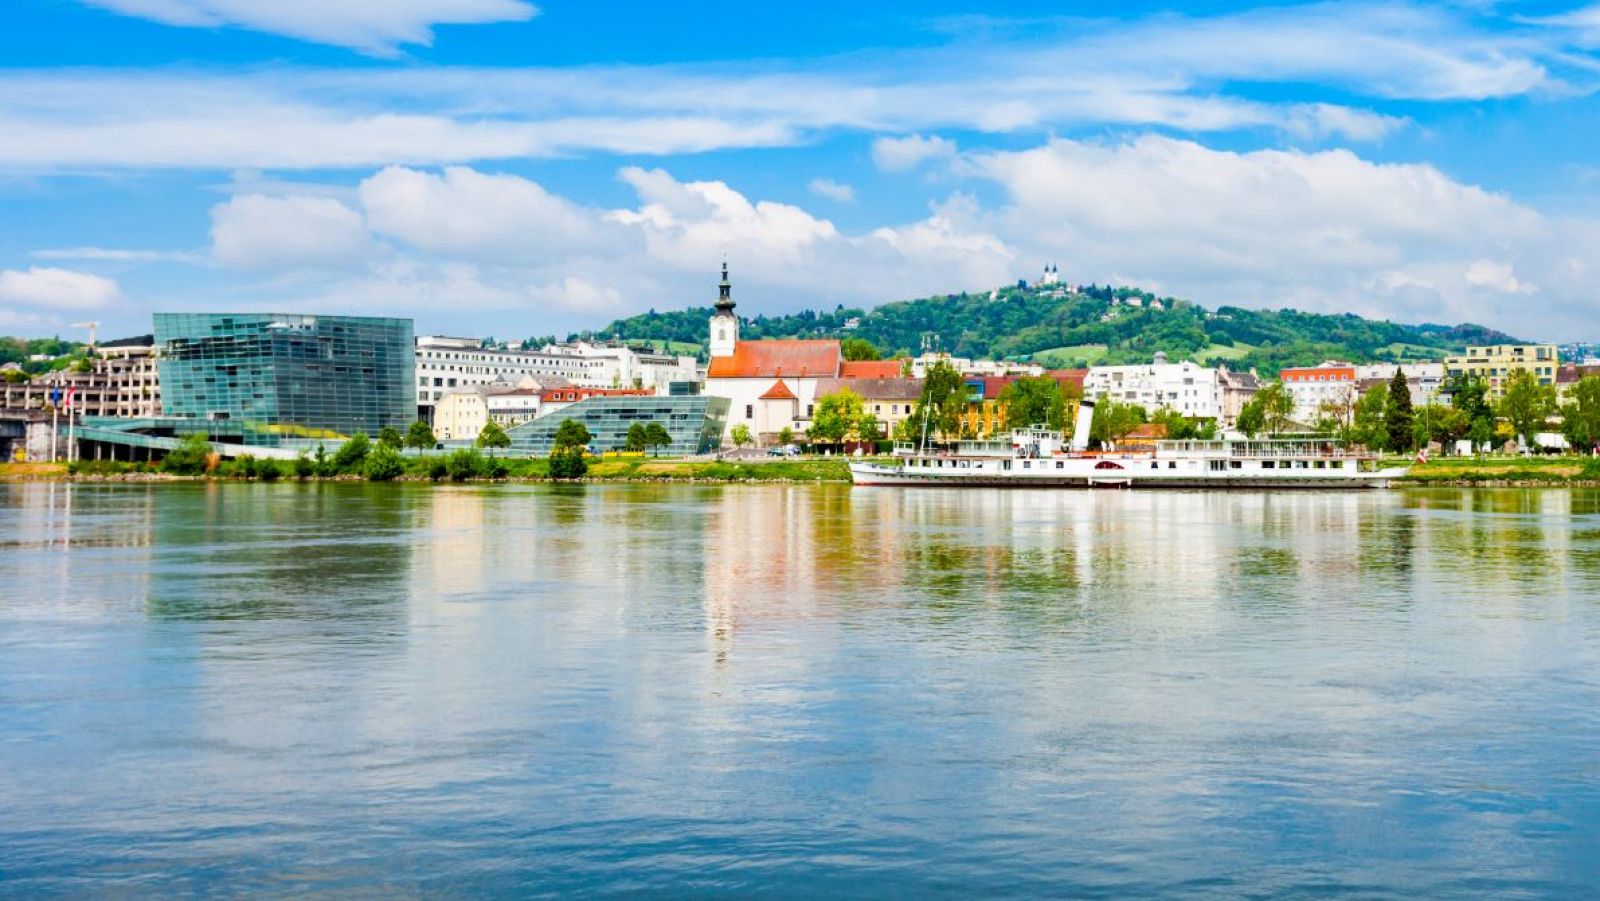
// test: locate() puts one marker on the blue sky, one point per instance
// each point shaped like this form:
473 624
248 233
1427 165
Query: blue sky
499 167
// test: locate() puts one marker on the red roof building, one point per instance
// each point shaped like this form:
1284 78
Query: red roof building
870 369
775 358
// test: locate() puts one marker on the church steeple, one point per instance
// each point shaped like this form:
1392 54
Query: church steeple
724 324
725 293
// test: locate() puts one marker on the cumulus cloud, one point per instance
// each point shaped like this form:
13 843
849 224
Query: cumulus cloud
253 231
1326 231
57 289
463 211
833 190
372 26
900 154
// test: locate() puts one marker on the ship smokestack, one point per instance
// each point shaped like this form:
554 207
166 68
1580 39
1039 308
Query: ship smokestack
1080 430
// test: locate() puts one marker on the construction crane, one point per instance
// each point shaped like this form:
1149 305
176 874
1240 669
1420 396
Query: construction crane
92 327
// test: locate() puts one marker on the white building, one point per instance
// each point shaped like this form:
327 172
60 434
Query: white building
1424 379
463 412
921 365
1327 389
770 385
444 363
1187 387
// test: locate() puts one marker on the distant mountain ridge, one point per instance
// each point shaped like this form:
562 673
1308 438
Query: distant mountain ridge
1066 326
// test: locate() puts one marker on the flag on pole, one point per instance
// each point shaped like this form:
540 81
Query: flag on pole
55 396
68 404
1422 455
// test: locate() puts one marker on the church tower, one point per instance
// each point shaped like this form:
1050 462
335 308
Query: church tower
724 324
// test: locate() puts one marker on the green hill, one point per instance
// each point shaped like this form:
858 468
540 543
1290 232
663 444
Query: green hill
1091 324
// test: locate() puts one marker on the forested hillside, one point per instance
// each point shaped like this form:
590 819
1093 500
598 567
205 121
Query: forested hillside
1062 326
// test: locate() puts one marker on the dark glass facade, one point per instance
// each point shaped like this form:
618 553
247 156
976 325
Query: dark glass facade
285 378
694 423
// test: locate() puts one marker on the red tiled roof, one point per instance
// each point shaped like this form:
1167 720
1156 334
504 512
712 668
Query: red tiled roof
873 389
779 391
870 369
1065 376
776 358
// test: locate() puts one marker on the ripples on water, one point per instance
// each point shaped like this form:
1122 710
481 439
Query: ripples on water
735 690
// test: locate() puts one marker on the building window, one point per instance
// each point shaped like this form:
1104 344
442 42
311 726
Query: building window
749 411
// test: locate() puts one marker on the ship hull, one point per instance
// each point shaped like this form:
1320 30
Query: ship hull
876 474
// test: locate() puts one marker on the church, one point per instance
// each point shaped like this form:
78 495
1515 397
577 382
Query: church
771 385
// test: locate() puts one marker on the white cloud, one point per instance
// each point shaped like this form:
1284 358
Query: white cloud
833 190
1164 71
117 255
57 289
253 231
900 154
373 26
1325 231
1498 276
464 211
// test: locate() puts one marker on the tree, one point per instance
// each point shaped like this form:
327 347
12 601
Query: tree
841 416
567 456
1470 395
656 437
635 443
786 435
493 436
1526 405
1113 420
420 436
1182 428
1034 401
351 454
464 464
740 435
572 434
1369 427
1268 411
189 458
1446 425
859 349
389 436
1397 421
1580 417
944 397
383 464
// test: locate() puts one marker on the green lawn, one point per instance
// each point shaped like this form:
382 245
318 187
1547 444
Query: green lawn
1554 470
1214 352
1057 357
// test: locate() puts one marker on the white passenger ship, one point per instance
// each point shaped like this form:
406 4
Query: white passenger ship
1037 458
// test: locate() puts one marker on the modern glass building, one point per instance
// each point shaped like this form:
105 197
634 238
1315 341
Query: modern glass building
695 423
287 378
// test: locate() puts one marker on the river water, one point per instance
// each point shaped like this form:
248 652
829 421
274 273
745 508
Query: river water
735 690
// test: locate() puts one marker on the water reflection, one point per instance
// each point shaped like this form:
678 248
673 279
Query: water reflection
691 689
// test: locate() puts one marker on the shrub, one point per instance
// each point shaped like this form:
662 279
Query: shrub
268 471
245 467
497 469
383 465
352 454
568 463
189 458
389 436
304 467
465 464
437 468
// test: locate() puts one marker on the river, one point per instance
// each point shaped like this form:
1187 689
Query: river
734 690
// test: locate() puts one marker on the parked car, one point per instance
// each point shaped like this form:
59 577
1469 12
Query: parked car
783 450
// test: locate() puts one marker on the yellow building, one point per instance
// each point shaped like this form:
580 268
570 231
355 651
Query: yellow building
1495 363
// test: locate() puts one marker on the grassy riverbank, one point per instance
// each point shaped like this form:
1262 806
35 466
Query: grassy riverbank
626 469
1503 470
